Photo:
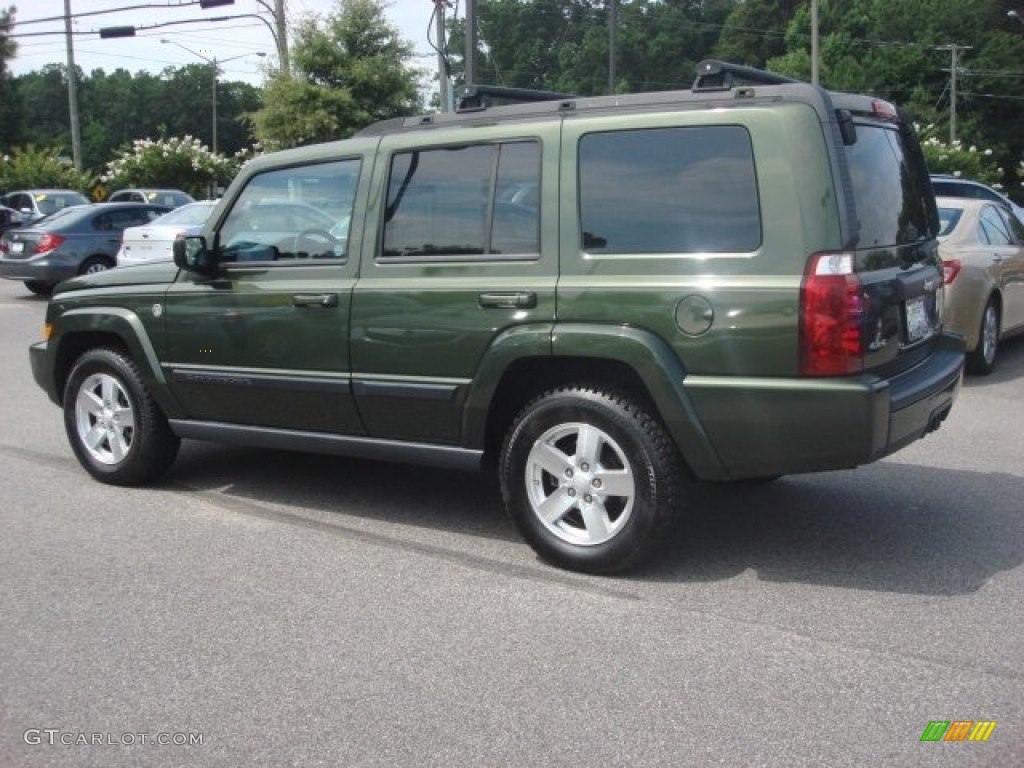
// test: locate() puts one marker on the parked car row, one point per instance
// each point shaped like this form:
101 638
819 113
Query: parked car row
74 241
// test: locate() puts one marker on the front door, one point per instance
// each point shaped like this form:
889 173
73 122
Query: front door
265 341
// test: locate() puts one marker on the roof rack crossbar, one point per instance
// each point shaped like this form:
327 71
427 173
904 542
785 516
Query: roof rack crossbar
475 97
715 75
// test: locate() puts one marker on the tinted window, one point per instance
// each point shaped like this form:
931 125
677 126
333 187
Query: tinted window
455 202
49 203
671 190
994 228
889 196
293 213
948 219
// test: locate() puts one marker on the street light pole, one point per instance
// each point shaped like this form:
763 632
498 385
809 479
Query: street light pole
212 61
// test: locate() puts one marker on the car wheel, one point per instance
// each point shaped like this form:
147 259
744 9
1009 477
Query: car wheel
590 478
116 429
94 265
39 287
982 360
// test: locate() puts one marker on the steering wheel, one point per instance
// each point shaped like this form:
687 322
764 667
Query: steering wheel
316 243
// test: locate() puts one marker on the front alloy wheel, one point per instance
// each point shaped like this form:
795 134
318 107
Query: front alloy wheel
117 432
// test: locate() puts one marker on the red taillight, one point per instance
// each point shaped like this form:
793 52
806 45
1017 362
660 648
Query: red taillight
47 243
831 310
950 269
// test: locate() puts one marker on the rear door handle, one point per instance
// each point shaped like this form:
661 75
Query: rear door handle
315 300
509 300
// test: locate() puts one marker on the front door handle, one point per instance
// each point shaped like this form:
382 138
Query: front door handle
315 300
509 300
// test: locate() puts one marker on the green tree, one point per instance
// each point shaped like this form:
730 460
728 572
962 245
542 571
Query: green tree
34 167
348 70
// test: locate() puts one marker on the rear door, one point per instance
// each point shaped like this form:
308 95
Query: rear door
1006 259
453 262
891 226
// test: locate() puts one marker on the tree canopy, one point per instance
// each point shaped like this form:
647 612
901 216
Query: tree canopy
348 70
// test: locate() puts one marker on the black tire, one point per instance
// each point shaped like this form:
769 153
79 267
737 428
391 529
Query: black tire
39 287
104 392
982 361
95 264
574 447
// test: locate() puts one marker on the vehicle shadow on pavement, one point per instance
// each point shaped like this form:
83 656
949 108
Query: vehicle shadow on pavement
462 502
886 527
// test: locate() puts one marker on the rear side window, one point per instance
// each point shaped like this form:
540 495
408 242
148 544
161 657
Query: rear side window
462 202
669 190
994 229
889 193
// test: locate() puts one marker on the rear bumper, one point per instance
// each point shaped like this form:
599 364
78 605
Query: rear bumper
36 269
762 427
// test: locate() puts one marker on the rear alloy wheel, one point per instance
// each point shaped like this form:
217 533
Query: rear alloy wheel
982 360
94 265
39 287
590 478
116 430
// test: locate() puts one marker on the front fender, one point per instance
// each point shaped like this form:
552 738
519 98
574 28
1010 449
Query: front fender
75 325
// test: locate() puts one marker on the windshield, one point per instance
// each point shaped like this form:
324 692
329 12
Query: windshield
50 202
187 216
948 219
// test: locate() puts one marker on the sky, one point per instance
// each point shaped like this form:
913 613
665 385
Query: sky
242 38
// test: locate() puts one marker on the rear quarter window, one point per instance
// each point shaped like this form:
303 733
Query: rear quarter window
669 190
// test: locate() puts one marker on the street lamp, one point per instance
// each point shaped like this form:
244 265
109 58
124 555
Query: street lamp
213 70
1015 15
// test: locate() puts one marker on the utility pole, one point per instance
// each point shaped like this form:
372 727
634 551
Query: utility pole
470 75
444 85
815 51
282 36
76 138
953 69
613 22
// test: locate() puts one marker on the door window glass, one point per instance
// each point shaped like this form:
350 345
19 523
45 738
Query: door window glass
292 214
461 202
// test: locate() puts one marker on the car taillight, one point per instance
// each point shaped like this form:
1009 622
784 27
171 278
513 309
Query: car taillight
950 269
832 305
47 243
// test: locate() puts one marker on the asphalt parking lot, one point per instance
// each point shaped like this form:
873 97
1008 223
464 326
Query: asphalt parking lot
296 610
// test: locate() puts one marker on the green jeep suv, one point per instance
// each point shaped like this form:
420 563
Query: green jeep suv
602 299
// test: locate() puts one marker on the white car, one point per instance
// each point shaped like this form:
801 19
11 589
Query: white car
152 242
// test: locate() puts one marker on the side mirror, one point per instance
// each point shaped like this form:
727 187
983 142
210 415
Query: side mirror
191 255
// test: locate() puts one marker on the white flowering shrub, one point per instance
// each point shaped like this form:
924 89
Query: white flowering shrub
184 163
967 162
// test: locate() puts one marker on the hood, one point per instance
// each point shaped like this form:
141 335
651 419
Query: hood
156 273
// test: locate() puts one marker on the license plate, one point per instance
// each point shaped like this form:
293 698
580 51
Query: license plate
17 247
918 326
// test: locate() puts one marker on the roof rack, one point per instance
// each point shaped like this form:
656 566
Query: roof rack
715 75
475 97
